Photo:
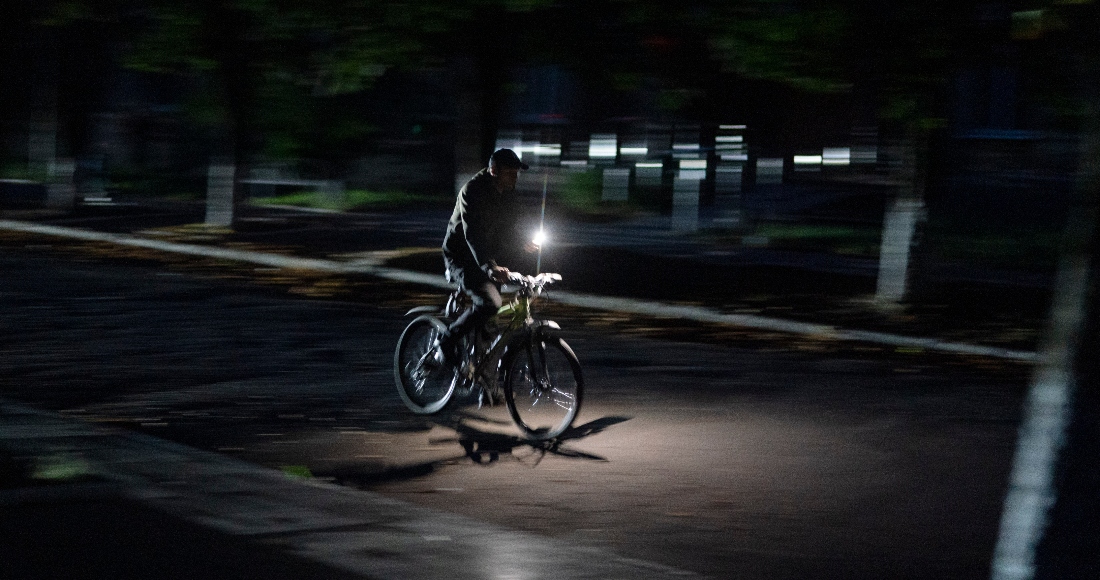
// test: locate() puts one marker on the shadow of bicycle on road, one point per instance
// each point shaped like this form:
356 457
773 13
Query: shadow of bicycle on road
481 446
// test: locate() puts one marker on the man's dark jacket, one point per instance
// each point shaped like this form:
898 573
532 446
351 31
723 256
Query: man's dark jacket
482 224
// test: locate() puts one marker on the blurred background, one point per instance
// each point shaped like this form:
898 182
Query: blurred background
938 135
750 115
924 135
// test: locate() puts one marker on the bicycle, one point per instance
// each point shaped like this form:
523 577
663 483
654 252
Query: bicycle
521 357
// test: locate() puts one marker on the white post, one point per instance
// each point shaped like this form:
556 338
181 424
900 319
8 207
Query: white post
727 199
685 194
685 204
219 194
616 184
898 229
1046 415
61 191
42 144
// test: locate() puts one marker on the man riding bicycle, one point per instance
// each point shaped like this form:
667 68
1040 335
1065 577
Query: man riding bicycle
481 227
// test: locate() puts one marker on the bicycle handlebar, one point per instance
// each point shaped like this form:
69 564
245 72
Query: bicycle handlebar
538 281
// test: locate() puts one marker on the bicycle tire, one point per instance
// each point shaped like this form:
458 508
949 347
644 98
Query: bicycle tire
433 390
544 401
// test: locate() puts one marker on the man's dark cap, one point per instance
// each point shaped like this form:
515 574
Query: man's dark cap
507 158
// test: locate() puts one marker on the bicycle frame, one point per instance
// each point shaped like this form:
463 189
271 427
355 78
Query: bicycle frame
512 321
509 362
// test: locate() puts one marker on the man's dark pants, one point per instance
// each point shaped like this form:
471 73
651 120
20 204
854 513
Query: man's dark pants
485 301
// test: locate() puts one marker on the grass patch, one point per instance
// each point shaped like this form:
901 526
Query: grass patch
840 239
21 172
1027 248
350 200
815 232
581 191
297 471
1032 250
581 198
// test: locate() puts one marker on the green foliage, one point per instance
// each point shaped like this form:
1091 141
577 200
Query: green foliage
581 190
297 124
21 171
525 5
840 239
61 467
297 471
171 43
674 100
906 48
281 69
153 183
581 197
67 11
805 48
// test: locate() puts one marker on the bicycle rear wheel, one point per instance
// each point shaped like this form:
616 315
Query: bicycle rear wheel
424 386
543 387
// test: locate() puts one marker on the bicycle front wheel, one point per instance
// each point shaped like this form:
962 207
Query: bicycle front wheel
543 386
423 385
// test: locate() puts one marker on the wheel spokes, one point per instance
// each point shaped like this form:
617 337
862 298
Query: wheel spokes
421 382
544 390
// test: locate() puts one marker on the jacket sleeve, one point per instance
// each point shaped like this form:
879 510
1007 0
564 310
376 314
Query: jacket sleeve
477 222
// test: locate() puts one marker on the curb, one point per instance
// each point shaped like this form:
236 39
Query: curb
614 304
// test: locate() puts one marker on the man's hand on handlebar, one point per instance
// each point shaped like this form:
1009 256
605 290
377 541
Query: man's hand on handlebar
499 274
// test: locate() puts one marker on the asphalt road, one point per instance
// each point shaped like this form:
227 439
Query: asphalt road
735 459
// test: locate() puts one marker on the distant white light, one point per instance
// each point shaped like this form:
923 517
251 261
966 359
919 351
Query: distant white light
734 157
603 147
836 156
693 169
648 165
807 160
634 151
548 150
693 164
729 139
510 140
865 154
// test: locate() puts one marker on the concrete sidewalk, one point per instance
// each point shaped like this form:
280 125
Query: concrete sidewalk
118 504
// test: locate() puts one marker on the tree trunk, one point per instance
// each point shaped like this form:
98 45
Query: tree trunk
42 126
222 196
234 86
469 125
900 223
1050 525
